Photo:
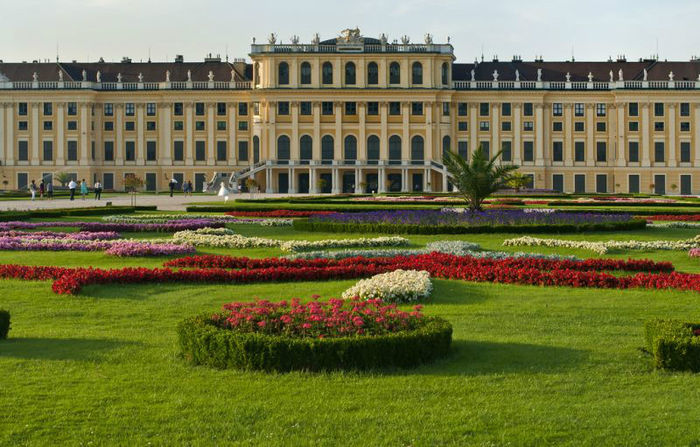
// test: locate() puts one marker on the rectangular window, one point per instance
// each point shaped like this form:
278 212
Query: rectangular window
243 125
129 151
48 109
178 125
528 126
72 150
579 151
22 109
506 151
505 109
305 108
48 125
109 109
445 109
394 108
484 125
600 109
221 108
221 125
72 108
484 109
601 183
579 109
463 126
177 109
506 126
129 126
283 108
243 108
685 109
22 125
659 151
557 151
199 108
22 150
462 109
527 109
633 151
557 109
579 183
109 151
558 182
108 181
601 151
178 150
600 126
351 108
685 126
326 108
658 109
579 126
199 151
150 125
685 151
109 126
416 108
242 151
199 125
485 148
372 108
528 151
633 126
633 184
633 109
221 151
658 126
129 109
557 126
686 185
151 151
463 149
151 109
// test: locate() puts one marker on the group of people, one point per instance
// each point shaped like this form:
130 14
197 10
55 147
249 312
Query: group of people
47 188
187 187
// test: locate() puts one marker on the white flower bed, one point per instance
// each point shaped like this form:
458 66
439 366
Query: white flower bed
692 225
165 218
223 240
302 245
399 286
604 247
539 210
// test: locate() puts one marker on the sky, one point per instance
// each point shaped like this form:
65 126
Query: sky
86 30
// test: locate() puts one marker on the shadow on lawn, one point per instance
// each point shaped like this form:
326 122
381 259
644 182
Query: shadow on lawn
484 357
90 349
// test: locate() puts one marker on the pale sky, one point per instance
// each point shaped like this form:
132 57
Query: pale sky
592 29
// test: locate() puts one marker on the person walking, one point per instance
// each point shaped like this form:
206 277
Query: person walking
42 189
190 187
32 189
98 190
49 190
83 189
71 187
172 184
186 188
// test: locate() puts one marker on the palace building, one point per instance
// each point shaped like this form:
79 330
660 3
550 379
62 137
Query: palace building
352 114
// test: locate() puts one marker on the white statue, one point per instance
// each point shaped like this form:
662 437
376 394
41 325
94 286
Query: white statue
670 76
699 77
60 76
428 39
35 77
119 77
473 75
233 75
619 75
295 40
539 75
405 39
517 75
210 76
645 74
223 192
568 77
316 40
84 75
167 75
99 76
140 77
590 77
612 76
272 38
383 39
495 76
189 76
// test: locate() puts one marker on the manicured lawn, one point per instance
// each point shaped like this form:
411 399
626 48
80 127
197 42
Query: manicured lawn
530 365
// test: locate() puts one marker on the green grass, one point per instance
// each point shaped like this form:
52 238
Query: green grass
530 365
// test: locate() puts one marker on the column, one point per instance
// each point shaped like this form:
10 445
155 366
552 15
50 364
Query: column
406 136
312 181
621 159
268 180
84 131
590 140
381 180
166 125
210 134
35 134
294 144
316 144
60 126
362 138
473 129
671 132
271 130
338 149
426 180
696 139
568 135
517 129
290 173
233 158
119 134
189 134
334 182
383 136
645 135
404 180
358 180
495 127
539 134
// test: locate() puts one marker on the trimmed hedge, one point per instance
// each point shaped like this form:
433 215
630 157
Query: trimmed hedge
65 212
4 324
673 345
336 227
306 207
203 343
605 203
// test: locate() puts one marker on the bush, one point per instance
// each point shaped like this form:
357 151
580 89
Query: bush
674 345
204 343
4 324
334 227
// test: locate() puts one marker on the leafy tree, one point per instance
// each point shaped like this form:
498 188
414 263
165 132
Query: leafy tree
518 181
251 184
132 184
479 178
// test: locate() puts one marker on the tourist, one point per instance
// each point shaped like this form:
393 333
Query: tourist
172 184
32 189
49 190
190 187
71 187
83 189
42 189
98 190
185 188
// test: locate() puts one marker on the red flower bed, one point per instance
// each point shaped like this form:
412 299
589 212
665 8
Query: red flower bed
677 217
278 213
319 319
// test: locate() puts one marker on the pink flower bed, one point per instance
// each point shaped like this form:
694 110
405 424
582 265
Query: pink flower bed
129 248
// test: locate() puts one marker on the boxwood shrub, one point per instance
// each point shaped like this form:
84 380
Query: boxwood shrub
203 343
673 345
338 227
4 324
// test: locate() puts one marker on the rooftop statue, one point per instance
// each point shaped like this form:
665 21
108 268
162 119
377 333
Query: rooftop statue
140 77
383 39
645 74
189 76
210 76
495 76
568 77
590 77
35 77
473 75
119 77
167 75
517 75
99 76
539 75
405 39
428 39
670 76
60 76
84 75
316 40
619 75
272 38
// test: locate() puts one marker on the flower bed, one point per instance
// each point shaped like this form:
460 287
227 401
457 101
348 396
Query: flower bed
690 225
674 345
604 247
39 235
694 252
278 213
169 227
165 218
399 286
120 247
131 248
315 336
676 217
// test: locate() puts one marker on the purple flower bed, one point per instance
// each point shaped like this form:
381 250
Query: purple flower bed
128 248
38 235
15 244
169 227
112 247
484 218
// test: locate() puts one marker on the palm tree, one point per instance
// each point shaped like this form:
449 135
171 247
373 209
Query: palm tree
478 179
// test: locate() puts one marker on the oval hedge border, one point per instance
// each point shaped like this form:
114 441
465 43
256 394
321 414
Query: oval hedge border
335 227
203 343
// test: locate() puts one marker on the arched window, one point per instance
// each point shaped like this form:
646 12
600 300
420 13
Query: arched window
305 148
327 73
394 73
445 144
305 77
417 73
283 73
372 148
283 148
350 148
327 149
372 73
394 149
445 73
350 73
256 149
417 152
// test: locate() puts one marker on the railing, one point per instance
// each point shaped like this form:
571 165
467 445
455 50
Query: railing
340 163
111 86
352 47
577 85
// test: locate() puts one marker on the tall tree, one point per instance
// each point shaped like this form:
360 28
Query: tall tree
479 178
